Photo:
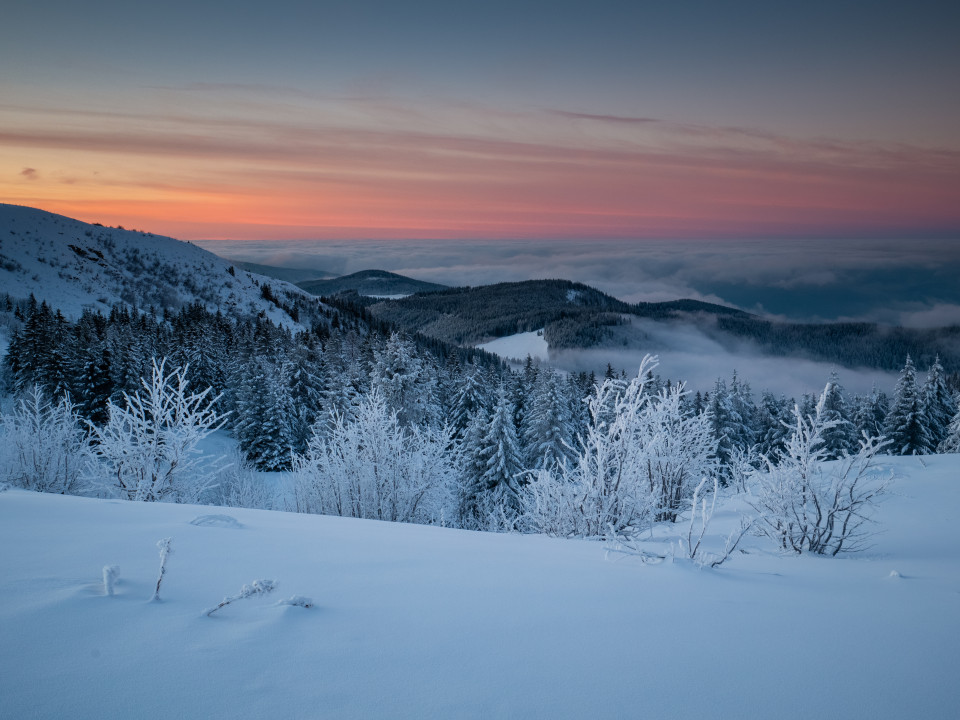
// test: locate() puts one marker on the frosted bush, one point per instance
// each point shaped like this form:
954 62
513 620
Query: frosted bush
806 504
239 485
149 444
372 467
42 445
636 465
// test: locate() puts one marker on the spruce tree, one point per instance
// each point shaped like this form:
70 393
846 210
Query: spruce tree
772 415
501 459
547 425
904 425
939 407
839 438
951 441
870 413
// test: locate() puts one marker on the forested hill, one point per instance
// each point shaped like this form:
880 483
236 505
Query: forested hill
849 344
374 283
574 315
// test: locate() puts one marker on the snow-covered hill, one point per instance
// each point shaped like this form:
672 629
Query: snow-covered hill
73 265
425 622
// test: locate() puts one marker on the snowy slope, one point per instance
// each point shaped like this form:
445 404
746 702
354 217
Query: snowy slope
73 265
425 622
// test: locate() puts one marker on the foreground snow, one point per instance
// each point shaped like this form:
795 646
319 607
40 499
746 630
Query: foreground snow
413 621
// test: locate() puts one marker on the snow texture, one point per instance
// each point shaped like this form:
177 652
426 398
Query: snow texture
419 622
223 521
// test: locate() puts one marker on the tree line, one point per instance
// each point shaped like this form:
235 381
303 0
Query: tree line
374 424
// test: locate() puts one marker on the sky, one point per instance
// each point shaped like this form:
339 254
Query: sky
479 122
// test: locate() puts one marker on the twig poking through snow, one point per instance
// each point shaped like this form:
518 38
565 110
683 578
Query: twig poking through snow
165 552
257 587
110 575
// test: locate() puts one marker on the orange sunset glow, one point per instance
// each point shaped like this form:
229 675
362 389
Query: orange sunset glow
543 175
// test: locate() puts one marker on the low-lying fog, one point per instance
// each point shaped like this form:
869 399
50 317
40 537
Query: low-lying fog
910 282
688 354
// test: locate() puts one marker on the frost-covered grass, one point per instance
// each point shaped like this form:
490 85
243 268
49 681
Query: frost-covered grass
517 347
415 621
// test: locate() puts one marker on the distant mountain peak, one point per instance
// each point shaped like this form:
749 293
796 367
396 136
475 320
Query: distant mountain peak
372 283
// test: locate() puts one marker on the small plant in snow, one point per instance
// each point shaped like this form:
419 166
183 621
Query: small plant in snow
296 601
110 575
257 587
165 552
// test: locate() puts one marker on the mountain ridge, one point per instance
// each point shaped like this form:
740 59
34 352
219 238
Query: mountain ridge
76 266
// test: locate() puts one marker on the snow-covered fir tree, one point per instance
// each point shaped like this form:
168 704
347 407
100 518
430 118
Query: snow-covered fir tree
471 398
839 433
870 414
939 406
502 462
770 421
905 425
951 441
547 424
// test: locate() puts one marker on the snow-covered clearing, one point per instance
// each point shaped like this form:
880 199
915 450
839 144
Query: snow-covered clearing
419 622
517 347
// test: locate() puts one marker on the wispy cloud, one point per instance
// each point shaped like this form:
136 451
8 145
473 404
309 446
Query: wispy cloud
373 167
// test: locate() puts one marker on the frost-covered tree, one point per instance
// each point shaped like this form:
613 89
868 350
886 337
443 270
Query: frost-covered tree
96 385
728 426
770 422
951 442
547 423
839 434
405 382
741 430
905 425
148 449
373 467
502 462
472 465
939 407
871 412
806 504
470 397
266 414
42 445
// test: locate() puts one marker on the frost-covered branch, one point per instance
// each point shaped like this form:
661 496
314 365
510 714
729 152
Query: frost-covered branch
257 587
165 552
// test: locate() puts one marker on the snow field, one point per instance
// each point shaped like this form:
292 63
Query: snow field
416 621
517 347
